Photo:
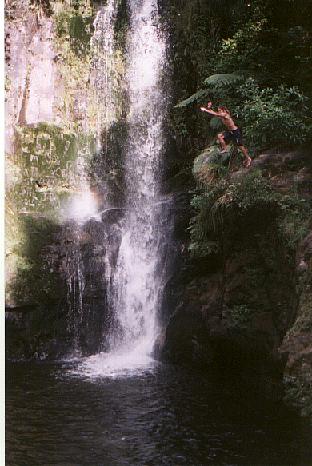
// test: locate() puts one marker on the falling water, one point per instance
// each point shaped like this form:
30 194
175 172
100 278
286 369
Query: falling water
135 284
82 204
75 287
102 78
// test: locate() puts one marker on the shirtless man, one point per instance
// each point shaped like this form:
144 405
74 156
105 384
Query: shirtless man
233 132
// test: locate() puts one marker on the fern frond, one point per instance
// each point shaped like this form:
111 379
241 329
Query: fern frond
193 98
223 80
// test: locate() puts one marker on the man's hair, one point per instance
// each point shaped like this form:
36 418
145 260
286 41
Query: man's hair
221 107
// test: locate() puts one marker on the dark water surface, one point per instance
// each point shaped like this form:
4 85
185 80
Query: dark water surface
168 417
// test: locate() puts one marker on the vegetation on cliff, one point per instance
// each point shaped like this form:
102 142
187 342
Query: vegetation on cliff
261 72
255 58
257 63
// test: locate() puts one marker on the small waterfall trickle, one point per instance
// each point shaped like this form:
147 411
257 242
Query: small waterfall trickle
134 283
102 77
82 206
75 288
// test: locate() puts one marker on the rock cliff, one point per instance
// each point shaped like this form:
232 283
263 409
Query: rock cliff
245 310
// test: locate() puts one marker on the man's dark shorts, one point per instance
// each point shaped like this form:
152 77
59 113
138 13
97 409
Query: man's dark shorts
235 136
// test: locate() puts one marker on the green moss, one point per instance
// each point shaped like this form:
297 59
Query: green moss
75 25
43 174
45 155
43 167
303 322
241 316
298 393
294 223
35 279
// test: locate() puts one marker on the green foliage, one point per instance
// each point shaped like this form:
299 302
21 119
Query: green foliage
253 190
203 248
241 315
242 50
219 81
269 117
295 219
206 221
215 83
193 98
252 72
273 117
220 205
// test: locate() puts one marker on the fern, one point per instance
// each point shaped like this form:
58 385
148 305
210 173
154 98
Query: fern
223 80
193 98
216 81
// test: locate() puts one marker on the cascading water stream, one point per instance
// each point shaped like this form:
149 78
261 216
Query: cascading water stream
136 281
135 284
82 205
102 75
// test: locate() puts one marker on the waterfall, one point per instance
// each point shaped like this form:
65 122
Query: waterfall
102 78
135 282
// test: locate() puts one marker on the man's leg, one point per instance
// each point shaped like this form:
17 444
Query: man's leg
244 150
222 142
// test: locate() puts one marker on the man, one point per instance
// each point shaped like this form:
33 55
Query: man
233 132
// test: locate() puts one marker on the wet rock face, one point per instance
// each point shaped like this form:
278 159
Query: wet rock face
48 149
231 315
67 306
297 344
231 311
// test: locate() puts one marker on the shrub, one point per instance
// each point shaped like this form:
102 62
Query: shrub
241 315
273 117
223 203
294 220
219 206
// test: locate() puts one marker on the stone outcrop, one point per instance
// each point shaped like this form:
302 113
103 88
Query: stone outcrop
246 311
297 344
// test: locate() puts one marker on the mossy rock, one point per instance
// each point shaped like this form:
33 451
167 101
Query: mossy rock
45 157
75 24
210 164
209 155
36 279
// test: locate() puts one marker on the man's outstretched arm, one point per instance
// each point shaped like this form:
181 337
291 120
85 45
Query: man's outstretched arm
212 112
